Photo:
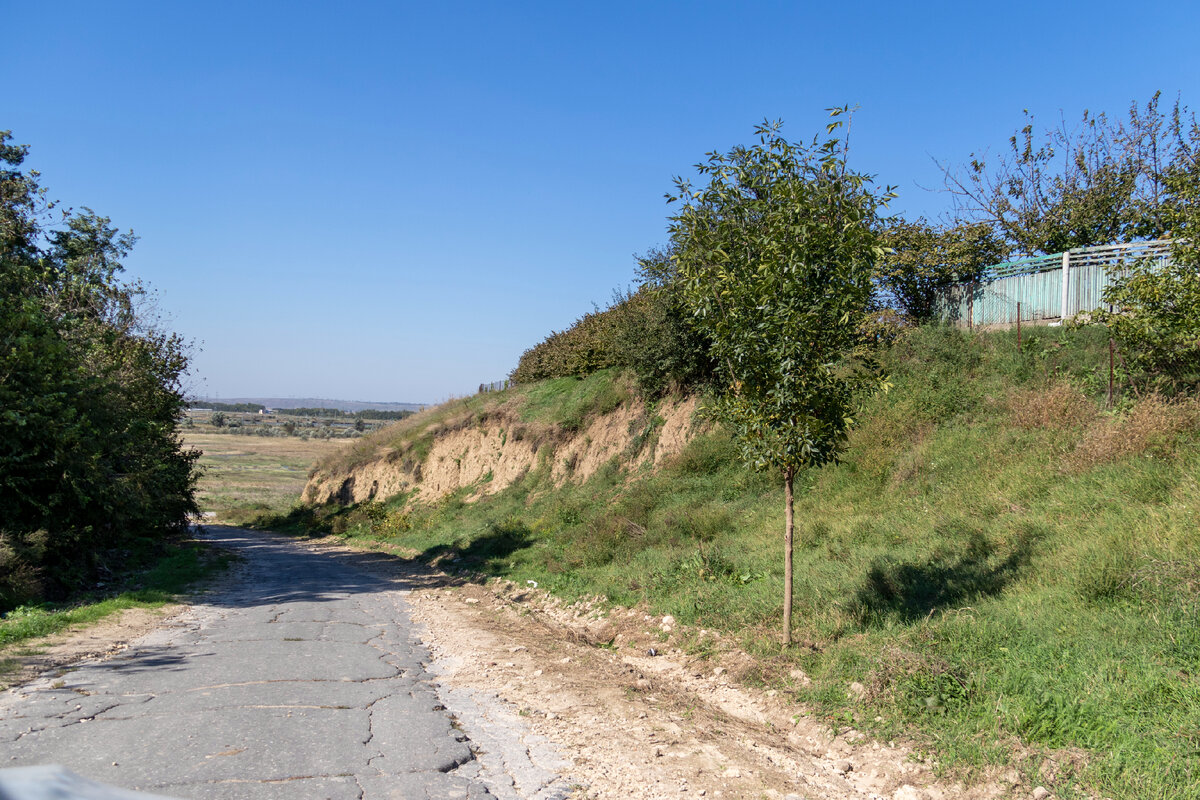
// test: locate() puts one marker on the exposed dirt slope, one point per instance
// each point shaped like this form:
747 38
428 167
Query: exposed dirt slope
490 453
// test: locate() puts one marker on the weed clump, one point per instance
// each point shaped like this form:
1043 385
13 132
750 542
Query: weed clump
1151 427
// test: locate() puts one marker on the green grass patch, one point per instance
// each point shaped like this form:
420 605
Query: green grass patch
157 583
1009 569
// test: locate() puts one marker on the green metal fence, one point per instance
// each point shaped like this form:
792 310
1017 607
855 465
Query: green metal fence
1044 288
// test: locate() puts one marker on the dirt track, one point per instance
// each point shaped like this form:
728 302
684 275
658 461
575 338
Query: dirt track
636 725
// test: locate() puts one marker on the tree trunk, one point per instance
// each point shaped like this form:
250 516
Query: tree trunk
788 526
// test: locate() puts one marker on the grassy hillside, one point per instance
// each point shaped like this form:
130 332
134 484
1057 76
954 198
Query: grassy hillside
1009 571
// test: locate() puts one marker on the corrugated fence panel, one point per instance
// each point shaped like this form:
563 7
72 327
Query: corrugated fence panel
1034 285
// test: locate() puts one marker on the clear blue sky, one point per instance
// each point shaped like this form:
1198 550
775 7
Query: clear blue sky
391 201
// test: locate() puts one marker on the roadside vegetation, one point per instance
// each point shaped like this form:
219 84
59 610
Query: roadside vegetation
997 559
1007 569
92 469
150 579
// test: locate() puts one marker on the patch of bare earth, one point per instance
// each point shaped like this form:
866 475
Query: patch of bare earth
29 659
637 725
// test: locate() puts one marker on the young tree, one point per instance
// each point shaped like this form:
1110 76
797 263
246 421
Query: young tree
775 258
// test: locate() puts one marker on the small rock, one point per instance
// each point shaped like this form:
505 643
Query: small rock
733 772
652 651
668 620
566 660
537 673
857 691
801 678
1040 793
843 766
516 649
908 792
641 715
471 601
718 672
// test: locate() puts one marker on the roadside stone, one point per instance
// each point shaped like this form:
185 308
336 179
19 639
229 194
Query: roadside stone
856 691
1040 793
843 766
801 678
908 792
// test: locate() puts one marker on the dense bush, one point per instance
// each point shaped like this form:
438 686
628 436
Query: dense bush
1157 322
646 332
587 346
90 462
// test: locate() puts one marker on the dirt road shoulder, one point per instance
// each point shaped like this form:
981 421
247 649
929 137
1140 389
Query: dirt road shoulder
639 718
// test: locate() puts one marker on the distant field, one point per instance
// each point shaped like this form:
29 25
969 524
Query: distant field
244 476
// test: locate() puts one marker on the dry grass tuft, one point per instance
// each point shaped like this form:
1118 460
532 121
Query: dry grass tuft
1151 426
1057 407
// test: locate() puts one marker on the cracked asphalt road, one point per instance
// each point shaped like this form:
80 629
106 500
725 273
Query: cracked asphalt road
299 676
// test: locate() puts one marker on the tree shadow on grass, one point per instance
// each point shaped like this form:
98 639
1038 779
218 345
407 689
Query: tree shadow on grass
483 552
910 591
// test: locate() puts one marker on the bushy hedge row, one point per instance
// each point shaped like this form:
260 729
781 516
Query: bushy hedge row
91 467
645 332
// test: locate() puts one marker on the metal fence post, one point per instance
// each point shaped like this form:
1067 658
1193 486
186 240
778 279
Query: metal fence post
1111 349
1066 280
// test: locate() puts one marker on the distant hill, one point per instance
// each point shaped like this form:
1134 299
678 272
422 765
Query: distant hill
314 402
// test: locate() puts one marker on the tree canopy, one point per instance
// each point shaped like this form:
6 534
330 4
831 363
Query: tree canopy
90 461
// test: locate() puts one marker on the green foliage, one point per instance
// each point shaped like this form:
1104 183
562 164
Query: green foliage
923 259
587 346
647 332
89 392
1101 182
157 580
775 258
997 601
248 408
656 339
1156 319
